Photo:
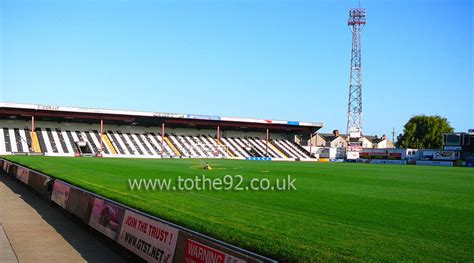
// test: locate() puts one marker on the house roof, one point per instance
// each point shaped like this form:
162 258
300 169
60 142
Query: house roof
370 137
377 140
330 137
374 139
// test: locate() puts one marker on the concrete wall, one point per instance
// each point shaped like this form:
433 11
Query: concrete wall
91 208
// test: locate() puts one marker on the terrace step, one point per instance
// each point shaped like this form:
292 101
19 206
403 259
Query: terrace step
171 145
35 142
226 148
107 141
277 150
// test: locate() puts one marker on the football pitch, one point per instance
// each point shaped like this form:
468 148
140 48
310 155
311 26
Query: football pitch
338 211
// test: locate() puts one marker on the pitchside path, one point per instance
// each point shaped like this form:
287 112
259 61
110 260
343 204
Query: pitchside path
35 231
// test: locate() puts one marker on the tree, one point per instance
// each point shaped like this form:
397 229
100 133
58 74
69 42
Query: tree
424 132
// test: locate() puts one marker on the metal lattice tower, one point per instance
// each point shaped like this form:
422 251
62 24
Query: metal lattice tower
354 110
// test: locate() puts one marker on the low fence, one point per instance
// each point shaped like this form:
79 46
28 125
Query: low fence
404 162
376 161
435 163
149 237
258 158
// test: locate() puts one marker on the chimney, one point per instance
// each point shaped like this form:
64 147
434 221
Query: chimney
335 133
384 137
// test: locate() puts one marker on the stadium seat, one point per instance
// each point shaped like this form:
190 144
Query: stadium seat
70 139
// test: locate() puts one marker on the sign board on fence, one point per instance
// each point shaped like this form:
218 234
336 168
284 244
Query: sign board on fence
199 253
60 193
22 174
388 162
6 166
38 182
80 203
352 155
150 239
435 163
452 148
106 217
446 155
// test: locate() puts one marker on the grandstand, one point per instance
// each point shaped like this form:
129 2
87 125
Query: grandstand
71 131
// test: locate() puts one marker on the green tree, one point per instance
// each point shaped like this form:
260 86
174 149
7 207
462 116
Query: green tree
424 132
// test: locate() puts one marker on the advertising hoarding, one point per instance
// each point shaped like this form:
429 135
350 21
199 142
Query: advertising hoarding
148 238
60 193
106 217
196 252
80 204
22 174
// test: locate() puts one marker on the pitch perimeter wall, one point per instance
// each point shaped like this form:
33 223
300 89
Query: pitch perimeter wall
149 237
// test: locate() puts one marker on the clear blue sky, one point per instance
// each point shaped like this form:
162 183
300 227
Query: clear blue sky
281 59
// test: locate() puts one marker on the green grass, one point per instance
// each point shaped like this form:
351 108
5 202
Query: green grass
339 212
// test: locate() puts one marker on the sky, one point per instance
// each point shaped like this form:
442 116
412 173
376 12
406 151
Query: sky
271 59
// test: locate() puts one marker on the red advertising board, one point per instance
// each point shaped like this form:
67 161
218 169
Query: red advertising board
354 148
199 253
